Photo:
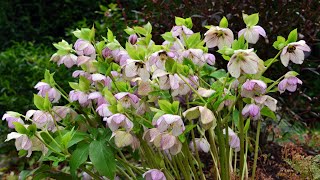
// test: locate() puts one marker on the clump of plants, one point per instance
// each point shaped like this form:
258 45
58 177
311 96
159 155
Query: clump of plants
144 110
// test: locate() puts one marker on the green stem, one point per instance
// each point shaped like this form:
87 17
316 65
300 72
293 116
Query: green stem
272 61
195 91
124 173
187 152
49 147
213 149
222 151
241 136
256 150
90 173
197 154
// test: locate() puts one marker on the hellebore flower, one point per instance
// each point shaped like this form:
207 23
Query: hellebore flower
268 101
150 135
127 99
195 55
11 117
178 86
289 83
251 110
205 92
68 60
120 56
154 174
133 38
106 53
116 121
98 97
135 68
169 122
253 87
234 141
179 30
106 81
80 96
44 89
60 112
78 73
251 34
157 61
201 144
84 47
243 61
295 52
164 81
206 116
42 119
217 36
210 59
122 138
104 111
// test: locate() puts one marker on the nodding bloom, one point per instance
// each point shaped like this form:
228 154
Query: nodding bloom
106 81
133 38
123 139
61 112
251 34
127 100
157 61
169 143
169 122
206 116
195 55
154 174
116 121
210 59
134 68
44 89
178 86
180 30
98 98
120 56
234 141
201 145
289 83
268 101
217 36
295 52
104 111
205 92
78 73
80 96
11 117
23 142
253 87
163 76
243 61
252 111
106 53
42 119
84 47
68 60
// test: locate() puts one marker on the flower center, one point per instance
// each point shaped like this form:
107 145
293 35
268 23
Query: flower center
291 49
163 56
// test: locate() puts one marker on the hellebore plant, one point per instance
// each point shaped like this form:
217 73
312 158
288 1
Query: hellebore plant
150 111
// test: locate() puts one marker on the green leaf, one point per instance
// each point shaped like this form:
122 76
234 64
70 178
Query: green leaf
47 104
168 36
224 22
66 138
102 158
293 36
148 28
235 117
92 34
74 85
165 106
265 111
218 74
84 84
246 126
79 156
38 101
109 96
194 40
175 107
179 21
20 128
129 31
140 30
110 35
251 20
32 129
188 23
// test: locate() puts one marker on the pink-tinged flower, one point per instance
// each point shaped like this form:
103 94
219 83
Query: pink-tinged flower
79 96
210 59
243 61
163 76
122 138
44 89
169 122
127 99
251 34
178 86
84 47
120 56
268 101
234 141
133 38
251 110
42 119
206 116
78 73
195 55
116 121
104 111
106 81
61 112
205 92
289 83
68 60
144 88
253 87
154 174
151 135
217 36
11 117
201 145
180 30
134 68
106 53
295 52
83 60
98 97
157 61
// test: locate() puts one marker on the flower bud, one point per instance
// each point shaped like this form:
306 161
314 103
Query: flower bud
133 38
251 110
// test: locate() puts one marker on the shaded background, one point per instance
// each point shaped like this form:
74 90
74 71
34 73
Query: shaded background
28 29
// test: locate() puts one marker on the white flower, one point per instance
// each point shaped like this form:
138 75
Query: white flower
217 36
294 52
251 34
